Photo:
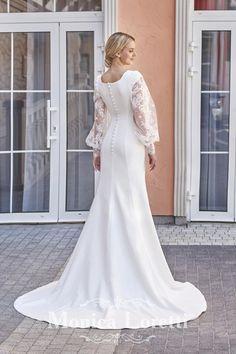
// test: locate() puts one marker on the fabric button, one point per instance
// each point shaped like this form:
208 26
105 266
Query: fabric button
115 122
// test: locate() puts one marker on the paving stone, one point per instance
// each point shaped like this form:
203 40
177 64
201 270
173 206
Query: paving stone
6 348
87 351
190 349
105 349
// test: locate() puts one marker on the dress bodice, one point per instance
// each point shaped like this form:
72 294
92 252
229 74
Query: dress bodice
117 95
125 99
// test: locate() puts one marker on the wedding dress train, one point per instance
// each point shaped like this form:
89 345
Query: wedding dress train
117 275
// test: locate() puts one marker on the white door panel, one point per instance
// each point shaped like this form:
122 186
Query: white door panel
46 111
213 122
81 60
29 166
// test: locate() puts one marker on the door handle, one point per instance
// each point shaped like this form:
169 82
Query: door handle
49 136
190 195
192 71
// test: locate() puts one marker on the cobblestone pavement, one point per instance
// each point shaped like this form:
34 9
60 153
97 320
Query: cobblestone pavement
202 253
198 233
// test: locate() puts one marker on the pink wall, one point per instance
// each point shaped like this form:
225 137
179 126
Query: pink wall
152 23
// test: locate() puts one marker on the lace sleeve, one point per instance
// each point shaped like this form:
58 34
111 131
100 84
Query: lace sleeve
97 132
145 116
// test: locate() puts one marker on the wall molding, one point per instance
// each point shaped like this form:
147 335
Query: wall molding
110 17
181 87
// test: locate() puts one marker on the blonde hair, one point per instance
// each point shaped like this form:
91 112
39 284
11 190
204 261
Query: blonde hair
116 43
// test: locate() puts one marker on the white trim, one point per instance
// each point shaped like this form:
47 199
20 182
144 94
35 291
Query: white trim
22 151
181 87
79 150
79 91
50 17
217 15
110 17
11 126
25 91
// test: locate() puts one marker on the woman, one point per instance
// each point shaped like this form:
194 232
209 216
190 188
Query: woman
117 275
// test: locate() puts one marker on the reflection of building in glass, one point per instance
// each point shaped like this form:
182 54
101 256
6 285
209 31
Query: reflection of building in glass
215 5
50 5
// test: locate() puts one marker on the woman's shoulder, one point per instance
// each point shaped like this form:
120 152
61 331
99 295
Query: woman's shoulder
135 73
134 76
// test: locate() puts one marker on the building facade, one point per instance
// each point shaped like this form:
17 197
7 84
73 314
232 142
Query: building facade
50 53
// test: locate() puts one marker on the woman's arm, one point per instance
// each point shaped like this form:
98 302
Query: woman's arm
97 132
145 115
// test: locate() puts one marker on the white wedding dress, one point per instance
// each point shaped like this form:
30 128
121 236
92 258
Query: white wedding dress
117 275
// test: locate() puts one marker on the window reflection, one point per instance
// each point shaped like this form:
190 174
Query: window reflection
29 171
31 182
31 61
29 120
78 5
5 61
3 5
5 164
50 5
215 120
216 60
31 6
80 181
5 121
80 117
80 60
215 5
214 182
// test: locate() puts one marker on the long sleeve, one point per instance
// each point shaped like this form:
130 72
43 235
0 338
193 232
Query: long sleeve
145 115
97 132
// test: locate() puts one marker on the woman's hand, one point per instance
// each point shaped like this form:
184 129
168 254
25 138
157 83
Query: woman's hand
152 161
97 162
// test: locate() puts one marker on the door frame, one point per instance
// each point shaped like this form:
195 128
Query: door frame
195 214
185 15
107 18
51 215
58 100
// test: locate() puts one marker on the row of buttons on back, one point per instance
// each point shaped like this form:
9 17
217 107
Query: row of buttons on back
116 118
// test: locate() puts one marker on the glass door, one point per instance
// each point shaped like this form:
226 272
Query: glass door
213 121
81 60
29 158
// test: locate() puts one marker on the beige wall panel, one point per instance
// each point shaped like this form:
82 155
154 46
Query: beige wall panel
152 23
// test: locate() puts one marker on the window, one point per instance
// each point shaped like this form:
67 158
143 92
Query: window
215 120
50 5
215 5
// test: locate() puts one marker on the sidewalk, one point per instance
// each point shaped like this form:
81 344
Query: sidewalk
202 253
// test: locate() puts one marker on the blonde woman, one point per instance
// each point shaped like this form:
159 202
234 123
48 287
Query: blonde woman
117 276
